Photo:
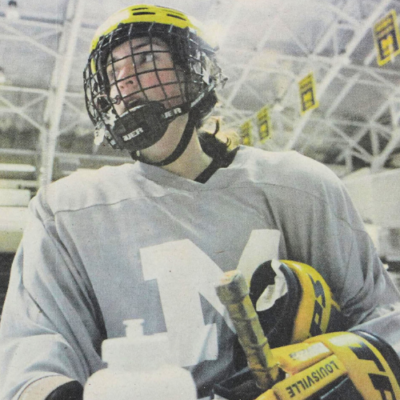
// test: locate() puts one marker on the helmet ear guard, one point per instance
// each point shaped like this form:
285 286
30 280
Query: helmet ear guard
194 64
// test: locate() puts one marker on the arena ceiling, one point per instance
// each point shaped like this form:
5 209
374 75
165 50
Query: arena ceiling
266 48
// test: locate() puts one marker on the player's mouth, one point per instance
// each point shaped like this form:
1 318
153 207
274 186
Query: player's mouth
129 103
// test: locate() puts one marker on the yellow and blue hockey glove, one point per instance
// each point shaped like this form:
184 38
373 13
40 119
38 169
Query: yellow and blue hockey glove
293 302
341 365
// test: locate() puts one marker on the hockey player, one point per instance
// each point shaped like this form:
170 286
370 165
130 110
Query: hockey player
150 240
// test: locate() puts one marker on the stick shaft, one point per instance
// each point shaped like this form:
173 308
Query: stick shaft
233 292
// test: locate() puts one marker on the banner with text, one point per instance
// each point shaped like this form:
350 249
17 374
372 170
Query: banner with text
307 93
387 38
264 125
246 133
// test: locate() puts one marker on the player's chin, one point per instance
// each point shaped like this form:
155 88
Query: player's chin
156 153
163 148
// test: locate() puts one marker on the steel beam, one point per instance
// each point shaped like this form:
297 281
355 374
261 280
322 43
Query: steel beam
62 70
343 60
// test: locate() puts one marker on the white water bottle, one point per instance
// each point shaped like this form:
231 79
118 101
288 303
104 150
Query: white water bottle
138 369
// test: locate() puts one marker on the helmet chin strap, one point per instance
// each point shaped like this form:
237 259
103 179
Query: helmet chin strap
180 148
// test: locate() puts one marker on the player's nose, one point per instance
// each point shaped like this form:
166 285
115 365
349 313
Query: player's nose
126 78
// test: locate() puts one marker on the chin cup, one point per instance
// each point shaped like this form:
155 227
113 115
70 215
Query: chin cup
141 127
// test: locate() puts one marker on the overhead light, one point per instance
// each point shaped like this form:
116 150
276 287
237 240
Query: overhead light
12 12
17 168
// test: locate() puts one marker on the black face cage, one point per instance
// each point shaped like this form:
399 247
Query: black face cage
196 76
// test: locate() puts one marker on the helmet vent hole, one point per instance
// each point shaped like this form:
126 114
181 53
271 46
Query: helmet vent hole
176 16
143 13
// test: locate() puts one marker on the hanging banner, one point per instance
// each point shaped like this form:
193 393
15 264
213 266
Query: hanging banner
246 133
307 93
263 123
387 38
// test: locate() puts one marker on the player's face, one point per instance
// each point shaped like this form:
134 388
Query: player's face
141 71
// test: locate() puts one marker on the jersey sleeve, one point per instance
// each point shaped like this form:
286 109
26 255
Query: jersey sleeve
333 239
51 325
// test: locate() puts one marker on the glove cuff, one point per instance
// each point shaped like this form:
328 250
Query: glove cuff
385 349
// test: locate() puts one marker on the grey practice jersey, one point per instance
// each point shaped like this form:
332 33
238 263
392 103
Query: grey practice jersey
136 241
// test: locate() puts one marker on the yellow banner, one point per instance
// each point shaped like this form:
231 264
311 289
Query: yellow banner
307 93
246 133
387 38
263 123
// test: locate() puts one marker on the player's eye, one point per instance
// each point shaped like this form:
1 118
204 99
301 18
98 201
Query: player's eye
146 58
110 75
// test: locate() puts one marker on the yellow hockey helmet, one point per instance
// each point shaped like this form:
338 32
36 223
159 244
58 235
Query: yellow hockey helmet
145 122
150 14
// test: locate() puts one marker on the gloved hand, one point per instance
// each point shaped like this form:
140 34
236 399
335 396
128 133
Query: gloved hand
344 365
293 302
335 366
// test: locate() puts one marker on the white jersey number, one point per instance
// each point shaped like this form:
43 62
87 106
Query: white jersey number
183 271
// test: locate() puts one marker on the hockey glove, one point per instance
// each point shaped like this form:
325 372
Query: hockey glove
345 365
293 302
340 365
